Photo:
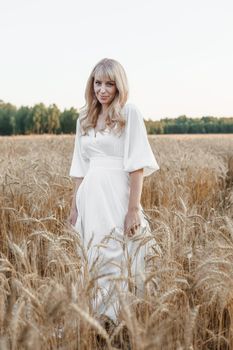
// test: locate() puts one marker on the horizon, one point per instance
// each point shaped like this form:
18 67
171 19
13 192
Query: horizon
144 116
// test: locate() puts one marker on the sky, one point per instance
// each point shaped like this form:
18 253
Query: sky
178 54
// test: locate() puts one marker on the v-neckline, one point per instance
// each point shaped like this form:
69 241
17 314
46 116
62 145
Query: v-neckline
101 130
98 131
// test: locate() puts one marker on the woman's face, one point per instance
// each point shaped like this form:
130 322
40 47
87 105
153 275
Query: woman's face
105 90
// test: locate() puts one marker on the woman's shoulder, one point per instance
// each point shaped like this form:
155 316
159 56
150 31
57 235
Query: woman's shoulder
130 108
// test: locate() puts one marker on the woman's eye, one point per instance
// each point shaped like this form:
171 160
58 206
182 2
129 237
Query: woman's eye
108 84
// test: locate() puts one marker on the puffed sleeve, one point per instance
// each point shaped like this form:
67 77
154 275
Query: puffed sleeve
79 165
137 150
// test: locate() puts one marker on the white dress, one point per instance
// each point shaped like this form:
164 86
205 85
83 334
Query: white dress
105 160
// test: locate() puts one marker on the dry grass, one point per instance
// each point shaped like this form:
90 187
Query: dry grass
45 284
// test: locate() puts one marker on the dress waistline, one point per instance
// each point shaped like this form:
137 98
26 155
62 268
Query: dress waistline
107 162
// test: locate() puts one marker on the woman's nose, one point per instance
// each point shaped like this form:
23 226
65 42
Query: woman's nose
102 88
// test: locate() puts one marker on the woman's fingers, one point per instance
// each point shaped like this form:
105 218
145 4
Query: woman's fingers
131 231
73 217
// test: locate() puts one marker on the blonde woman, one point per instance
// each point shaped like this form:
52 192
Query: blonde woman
111 156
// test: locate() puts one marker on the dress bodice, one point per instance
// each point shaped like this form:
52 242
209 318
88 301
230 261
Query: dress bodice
131 144
102 143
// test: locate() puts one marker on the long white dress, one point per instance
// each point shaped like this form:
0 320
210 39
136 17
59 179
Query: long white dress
105 161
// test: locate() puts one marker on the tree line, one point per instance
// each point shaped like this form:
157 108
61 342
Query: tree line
185 125
40 119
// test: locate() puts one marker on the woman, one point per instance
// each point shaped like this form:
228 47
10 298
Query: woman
111 156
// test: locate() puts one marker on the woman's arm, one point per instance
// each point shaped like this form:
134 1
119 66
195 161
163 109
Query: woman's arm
132 217
73 210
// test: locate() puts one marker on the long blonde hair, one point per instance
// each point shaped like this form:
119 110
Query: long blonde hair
113 70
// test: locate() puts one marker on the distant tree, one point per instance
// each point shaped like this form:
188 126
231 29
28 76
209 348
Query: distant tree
196 126
149 126
181 125
39 118
68 120
154 127
7 118
211 124
22 120
169 126
226 125
53 119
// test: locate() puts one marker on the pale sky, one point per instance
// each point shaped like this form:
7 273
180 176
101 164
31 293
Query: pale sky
178 54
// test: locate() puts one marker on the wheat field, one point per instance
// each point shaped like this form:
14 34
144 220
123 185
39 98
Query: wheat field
45 284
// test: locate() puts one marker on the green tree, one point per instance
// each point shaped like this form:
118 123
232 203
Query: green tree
169 126
53 119
226 125
7 118
68 120
22 120
154 127
39 118
211 124
196 126
181 125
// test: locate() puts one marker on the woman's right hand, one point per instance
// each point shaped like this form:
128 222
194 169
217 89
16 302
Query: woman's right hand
73 216
74 211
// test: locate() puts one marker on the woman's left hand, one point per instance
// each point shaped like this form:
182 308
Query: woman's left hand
132 222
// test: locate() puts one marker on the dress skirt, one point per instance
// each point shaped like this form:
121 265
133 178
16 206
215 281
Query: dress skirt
102 203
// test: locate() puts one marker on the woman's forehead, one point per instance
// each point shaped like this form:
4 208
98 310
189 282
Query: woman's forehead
104 76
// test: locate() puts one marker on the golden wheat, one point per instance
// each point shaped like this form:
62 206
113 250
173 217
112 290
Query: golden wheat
47 287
